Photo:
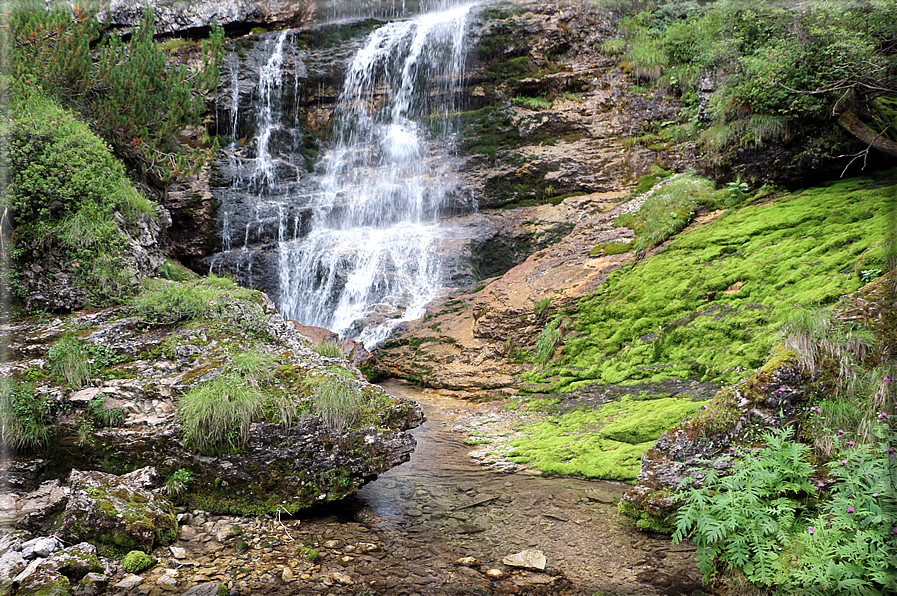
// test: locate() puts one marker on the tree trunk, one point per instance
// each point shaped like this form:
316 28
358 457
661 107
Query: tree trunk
852 124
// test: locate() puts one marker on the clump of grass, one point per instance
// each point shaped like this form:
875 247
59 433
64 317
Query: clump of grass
667 211
549 340
613 47
167 303
24 417
337 403
177 484
531 103
253 365
103 416
327 349
174 271
216 415
68 358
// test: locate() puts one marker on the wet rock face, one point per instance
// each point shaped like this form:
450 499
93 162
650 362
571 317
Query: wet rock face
184 17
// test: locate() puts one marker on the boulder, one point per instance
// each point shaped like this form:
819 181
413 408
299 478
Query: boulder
114 512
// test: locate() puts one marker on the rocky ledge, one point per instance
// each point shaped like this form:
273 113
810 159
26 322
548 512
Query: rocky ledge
231 405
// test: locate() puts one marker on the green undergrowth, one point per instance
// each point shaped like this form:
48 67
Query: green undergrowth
164 303
605 442
709 305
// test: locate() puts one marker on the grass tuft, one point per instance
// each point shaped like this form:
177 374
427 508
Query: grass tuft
338 404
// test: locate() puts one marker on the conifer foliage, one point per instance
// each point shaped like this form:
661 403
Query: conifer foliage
128 92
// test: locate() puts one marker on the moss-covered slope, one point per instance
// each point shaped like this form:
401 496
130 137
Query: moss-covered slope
708 304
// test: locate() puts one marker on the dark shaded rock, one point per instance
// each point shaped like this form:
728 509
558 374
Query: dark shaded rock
111 511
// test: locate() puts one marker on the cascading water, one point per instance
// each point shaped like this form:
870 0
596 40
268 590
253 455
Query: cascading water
371 246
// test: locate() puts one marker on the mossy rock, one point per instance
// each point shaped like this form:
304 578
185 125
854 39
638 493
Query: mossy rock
114 514
136 561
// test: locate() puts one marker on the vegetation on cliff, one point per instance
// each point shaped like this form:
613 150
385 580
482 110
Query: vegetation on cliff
755 75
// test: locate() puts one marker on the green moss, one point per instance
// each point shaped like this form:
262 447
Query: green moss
136 561
611 248
646 520
709 306
605 442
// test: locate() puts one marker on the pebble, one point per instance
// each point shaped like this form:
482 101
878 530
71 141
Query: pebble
496 573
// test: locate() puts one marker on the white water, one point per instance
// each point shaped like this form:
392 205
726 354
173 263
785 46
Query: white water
369 252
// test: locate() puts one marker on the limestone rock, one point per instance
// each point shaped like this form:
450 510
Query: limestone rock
107 509
527 559
186 17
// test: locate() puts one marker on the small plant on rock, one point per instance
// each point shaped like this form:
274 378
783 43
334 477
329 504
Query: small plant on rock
24 417
69 359
178 483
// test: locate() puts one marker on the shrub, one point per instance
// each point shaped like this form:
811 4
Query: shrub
337 403
65 189
136 561
24 417
130 93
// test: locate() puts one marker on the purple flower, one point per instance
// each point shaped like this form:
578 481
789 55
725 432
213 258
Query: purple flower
850 510
811 530
882 416
746 410
875 495
887 379
703 407
742 418
820 484
782 389
843 462
840 433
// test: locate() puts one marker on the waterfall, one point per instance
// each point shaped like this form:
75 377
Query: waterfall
369 259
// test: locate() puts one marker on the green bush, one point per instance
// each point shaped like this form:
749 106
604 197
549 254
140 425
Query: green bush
24 417
129 92
65 188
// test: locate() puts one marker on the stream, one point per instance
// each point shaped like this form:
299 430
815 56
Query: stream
442 506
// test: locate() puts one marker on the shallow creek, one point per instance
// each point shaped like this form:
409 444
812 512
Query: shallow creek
442 506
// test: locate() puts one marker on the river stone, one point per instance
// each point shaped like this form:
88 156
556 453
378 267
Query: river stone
110 511
91 584
40 547
208 589
528 559
129 582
